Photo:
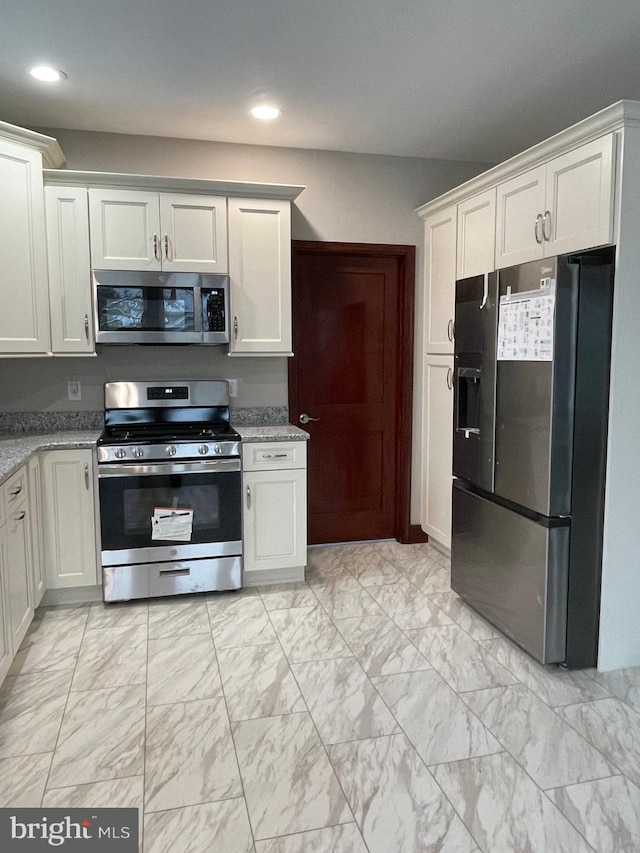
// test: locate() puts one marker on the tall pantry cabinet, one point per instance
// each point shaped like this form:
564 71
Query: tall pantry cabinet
456 241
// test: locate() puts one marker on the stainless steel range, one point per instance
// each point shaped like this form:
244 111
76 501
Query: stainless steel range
169 479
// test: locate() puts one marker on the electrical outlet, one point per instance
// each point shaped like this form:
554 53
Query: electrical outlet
74 389
233 387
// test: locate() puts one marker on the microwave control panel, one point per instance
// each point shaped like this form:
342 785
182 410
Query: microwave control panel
214 313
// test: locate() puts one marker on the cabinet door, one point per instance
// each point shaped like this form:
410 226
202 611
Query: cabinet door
437 446
125 230
24 319
440 280
69 518
37 585
275 519
476 234
520 206
6 649
69 269
579 193
260 276
18 543
194 233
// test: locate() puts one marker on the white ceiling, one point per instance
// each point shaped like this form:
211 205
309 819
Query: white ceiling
456 79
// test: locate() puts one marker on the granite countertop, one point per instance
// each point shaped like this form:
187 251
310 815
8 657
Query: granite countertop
17 448
276 432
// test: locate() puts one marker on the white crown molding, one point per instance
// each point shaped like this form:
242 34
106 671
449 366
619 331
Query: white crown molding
118 180
612 118
52 155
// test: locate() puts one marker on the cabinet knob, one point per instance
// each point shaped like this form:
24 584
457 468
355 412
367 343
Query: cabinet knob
248 496
86 475
235 328
86 326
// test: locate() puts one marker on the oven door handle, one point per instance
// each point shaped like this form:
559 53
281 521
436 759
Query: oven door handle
207 466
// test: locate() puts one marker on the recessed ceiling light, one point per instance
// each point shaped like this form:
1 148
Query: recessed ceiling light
47 74
265 112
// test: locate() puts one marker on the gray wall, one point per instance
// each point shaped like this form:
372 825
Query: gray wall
348 198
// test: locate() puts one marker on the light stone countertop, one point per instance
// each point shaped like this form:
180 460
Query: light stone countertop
275 432
17 448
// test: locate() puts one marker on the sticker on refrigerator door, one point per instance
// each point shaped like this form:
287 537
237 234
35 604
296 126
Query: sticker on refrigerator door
525 325
171 523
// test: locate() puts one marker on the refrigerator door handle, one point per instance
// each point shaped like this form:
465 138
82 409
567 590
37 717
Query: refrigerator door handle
485 290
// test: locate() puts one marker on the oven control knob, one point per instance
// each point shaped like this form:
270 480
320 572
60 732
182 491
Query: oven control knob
217 448
203 449
120 453
137 452
170 450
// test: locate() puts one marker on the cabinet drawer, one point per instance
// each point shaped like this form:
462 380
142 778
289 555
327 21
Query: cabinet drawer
274 455
15 491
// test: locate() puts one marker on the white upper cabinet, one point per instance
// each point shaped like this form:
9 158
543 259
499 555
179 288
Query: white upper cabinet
139 230
561 206
194 233
69 270
476 234
260 276
24 319
440 277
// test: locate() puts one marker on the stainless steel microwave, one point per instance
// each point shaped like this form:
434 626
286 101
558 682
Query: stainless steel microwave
144 307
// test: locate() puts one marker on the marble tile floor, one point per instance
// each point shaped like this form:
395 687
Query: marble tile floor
367 709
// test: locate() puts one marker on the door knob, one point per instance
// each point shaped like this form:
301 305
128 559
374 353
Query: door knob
304 419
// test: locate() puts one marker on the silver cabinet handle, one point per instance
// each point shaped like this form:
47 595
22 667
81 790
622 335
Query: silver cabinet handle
450 330
304 418
248 496
86 326
536 227
276 455
19 516
166 246
235 328
449 378
546 220
86 475
155 247
15 492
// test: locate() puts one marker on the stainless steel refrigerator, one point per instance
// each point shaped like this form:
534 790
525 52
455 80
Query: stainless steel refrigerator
532 356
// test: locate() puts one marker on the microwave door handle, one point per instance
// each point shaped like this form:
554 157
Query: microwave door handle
198 309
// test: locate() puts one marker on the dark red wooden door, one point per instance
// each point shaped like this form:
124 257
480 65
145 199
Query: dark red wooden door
348 319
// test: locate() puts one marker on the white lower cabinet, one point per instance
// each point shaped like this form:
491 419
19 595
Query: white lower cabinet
19 611
274 513
68 518
437 447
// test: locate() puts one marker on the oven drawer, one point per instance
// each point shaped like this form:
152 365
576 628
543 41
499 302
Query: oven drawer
151 580
274 455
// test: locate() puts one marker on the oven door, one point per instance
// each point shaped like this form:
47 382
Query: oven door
140 503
